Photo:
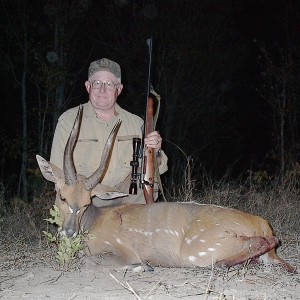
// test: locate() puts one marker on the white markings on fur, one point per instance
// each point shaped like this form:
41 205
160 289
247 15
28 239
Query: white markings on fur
265 259
148 233
188 241
140 230
138 269
192 258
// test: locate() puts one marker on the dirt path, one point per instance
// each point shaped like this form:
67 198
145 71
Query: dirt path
29 275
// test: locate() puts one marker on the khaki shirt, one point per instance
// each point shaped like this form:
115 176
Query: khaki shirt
92 138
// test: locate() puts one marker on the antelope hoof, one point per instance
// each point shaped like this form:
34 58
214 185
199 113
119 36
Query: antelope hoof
140 267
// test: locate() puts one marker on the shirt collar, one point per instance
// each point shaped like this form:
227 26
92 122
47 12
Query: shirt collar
90 112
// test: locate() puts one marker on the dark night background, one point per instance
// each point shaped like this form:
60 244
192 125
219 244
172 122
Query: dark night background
227 72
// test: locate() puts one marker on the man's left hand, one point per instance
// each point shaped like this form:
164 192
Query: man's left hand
153 140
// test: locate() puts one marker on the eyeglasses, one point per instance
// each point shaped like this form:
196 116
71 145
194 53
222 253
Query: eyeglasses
109 86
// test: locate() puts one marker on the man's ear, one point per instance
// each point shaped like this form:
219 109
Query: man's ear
51 172
87 86
120 88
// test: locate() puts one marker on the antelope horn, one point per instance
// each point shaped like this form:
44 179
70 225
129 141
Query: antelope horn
68 165
98 175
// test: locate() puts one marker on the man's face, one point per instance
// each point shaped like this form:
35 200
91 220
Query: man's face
103 89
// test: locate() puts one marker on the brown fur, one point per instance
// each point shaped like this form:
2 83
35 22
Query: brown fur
167 234
182 235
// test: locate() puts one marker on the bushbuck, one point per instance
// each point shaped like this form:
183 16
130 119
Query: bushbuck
164 234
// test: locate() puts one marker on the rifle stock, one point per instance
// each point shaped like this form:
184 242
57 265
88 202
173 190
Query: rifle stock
147 174
148 159
148 171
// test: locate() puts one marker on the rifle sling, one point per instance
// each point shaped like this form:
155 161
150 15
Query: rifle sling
156 170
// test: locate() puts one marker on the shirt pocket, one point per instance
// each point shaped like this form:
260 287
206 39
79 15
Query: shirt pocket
125 153
87 156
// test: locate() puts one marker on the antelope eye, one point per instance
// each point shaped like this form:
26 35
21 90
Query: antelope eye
63 199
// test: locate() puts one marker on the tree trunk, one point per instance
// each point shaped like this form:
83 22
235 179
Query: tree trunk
282 138
22 188
59 49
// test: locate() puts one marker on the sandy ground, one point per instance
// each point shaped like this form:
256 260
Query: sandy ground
30 272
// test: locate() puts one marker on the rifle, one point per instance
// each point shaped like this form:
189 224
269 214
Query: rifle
147 167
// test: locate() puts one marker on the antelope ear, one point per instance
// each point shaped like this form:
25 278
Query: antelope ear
105 192
51 172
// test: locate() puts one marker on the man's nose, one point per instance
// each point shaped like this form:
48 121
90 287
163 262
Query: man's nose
102 87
